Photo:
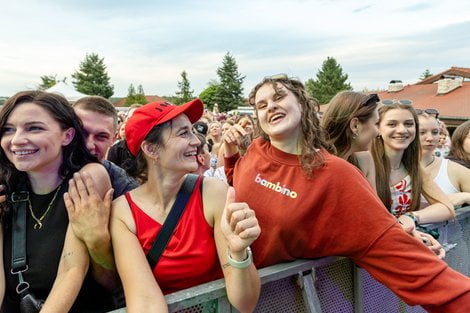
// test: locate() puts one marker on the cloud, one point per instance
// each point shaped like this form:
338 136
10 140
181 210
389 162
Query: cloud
418 7
362 9
150 42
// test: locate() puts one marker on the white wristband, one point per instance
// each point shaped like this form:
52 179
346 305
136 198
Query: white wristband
241 264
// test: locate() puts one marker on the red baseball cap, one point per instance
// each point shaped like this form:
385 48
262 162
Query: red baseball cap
152 114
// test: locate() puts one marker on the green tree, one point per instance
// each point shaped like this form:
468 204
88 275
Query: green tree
47 81
92 77
184 93
230 91
330 80
134 96
208 95
425 75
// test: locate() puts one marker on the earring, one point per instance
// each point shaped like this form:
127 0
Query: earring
354 136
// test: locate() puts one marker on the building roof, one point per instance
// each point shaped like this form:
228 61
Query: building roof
453 107
120 102
455 104
456 71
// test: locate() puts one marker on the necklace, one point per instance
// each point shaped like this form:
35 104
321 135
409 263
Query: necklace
430 162
396 169
38 224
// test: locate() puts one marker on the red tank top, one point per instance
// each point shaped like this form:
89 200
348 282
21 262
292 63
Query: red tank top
190 258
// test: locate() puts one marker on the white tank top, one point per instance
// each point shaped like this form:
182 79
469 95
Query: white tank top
442 178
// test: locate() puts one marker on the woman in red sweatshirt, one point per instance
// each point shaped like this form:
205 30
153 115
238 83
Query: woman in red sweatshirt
311 204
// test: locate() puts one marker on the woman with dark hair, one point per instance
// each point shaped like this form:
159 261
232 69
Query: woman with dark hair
42 146
213 229
400 178
460 147
350 123
311 204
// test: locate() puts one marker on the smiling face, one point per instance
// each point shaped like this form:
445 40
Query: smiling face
428 133
32 139
279 113
180 146
398 129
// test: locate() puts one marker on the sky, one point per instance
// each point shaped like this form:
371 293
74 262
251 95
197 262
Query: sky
152 42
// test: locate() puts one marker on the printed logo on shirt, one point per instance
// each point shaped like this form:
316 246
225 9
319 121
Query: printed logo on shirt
276 187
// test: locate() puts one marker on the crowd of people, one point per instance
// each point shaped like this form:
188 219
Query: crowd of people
89 194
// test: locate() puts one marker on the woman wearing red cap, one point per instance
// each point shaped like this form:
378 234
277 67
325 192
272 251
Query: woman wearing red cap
312 204
212 228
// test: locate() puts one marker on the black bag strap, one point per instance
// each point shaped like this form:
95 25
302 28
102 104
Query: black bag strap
172 220
19 200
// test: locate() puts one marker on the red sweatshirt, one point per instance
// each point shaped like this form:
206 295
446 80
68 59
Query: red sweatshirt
336 212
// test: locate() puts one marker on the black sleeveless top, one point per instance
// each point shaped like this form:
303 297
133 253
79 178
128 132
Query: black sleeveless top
43 250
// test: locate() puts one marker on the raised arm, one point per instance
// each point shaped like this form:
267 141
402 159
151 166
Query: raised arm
88 203
140 287
235 228
72 270
232 138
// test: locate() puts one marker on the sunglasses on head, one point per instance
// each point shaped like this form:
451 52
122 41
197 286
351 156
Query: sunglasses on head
281 76
373 98
432 112
397 101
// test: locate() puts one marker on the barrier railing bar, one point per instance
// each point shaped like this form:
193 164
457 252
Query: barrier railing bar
309 292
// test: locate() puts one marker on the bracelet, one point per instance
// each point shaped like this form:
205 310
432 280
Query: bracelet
412 216
241 264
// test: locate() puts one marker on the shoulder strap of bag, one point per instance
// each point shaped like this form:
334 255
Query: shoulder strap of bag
172 220
19 201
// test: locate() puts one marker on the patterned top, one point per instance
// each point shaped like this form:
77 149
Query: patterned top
401 197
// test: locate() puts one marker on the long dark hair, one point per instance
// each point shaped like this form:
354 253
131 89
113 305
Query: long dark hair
345 106
312 137
75 154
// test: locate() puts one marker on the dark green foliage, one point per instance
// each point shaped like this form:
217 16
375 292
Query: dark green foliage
230 91
330 80
47 81
208 95
184 93
425 75
92 77
135 96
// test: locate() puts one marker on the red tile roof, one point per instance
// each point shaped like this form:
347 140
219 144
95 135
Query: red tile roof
455 104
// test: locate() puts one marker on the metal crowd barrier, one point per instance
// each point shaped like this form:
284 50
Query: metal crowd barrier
325 285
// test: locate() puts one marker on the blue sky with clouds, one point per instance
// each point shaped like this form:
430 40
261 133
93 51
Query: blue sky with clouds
152 42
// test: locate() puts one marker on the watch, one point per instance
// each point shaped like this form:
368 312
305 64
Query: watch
241 264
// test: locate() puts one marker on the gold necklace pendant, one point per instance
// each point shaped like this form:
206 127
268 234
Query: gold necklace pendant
38 224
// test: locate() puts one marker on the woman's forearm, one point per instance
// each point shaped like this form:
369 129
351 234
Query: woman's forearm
64 292
433 213
243 288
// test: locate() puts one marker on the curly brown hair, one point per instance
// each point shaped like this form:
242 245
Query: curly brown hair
312 138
